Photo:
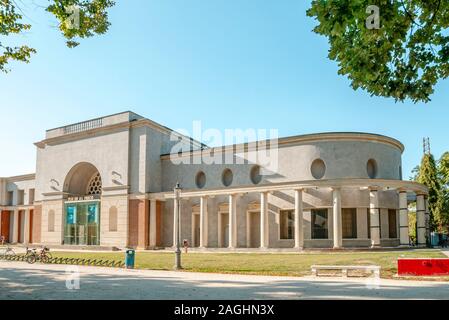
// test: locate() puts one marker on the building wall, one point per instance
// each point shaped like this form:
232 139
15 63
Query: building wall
343 159
117 238
108 153
37 224
56 236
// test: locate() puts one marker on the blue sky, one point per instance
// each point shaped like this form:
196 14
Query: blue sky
229 63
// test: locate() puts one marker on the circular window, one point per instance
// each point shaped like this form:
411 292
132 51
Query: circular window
227 177
371 168
318 169
200 180
255 175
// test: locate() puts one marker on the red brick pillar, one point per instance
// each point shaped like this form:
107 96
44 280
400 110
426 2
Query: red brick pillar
143 224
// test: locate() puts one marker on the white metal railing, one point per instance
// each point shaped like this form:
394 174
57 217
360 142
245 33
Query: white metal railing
83 126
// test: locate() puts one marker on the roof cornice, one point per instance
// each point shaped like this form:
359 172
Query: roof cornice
24 177
300 139
113 128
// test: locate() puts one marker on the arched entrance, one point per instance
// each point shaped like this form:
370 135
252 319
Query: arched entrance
83 185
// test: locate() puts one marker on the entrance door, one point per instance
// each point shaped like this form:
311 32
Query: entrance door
5 222
196 230
224 230
254 229
82 224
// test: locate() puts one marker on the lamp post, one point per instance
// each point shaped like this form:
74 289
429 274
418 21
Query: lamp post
177 228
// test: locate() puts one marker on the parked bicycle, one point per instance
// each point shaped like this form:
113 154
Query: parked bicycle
43 255
9 251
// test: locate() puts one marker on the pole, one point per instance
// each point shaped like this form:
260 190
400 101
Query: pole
177 230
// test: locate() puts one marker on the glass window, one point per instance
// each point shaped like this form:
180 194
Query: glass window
320 224
349 220
82 224
392 224
287 225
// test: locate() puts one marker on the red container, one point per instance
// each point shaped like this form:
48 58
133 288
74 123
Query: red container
423 267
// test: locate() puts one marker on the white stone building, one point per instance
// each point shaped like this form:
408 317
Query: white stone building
109 182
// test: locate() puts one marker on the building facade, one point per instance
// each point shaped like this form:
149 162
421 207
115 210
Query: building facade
109 182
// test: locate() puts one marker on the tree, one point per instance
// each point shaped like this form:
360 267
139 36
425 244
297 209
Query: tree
77 19
428 176
403 57
443 172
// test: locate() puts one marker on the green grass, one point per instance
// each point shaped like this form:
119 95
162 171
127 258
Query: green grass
263 264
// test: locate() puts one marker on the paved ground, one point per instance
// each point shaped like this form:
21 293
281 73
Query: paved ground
23 281
445 251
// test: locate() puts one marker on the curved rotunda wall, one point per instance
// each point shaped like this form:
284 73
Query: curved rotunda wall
301 161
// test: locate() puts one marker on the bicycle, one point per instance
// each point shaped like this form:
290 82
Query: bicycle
9 251
43 256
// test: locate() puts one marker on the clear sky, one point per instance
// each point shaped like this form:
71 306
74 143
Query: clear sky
229 63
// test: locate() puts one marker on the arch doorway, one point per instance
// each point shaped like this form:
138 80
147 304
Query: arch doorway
83 185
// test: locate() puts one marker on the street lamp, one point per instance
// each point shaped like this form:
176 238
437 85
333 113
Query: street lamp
177 228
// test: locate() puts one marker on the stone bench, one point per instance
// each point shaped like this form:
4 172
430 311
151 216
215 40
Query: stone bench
344 269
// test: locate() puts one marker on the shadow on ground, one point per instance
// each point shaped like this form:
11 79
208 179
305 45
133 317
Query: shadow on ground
37 282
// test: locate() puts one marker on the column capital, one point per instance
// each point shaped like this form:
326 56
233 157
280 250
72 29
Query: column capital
402 190
421 194
373 188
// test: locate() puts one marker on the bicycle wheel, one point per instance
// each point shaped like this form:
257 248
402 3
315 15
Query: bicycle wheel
44 259
31 259
10 252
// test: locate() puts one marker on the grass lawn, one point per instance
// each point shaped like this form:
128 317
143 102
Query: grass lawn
263 264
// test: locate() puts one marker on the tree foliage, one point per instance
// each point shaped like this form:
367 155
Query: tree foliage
91 14
436 177
443 171
403 59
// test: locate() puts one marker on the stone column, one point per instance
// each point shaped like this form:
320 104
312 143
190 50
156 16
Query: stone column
374 218
264 220
299 223
15 227
153 224
203 223
403 219
337 221
232 221
26 227
421 220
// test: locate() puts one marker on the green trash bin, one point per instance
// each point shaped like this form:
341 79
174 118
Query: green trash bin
130 258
